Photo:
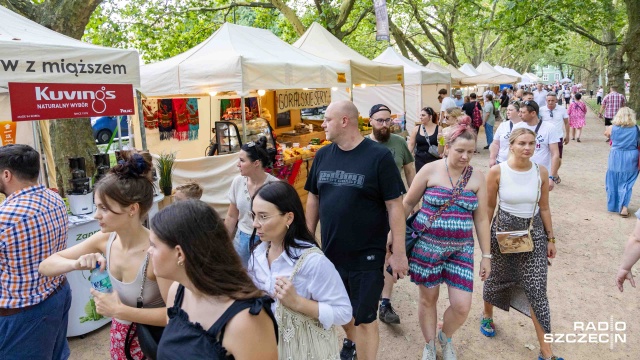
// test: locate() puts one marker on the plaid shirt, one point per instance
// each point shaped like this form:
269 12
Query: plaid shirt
612 103
33 226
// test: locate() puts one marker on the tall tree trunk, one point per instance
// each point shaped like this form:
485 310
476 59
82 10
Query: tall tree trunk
633 52
615 62
69 137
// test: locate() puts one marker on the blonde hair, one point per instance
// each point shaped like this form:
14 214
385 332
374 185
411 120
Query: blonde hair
519 132
192 190
625 117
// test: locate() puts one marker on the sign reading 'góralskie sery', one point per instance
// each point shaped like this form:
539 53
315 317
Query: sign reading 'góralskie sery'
41 101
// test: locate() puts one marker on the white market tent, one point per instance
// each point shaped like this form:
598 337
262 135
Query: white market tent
533 77
364 72
455 76
421 85
489 75
29 52
469 70
239 58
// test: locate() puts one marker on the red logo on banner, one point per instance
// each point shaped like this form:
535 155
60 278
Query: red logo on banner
40 101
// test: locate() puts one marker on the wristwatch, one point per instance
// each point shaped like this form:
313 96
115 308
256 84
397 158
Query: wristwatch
487 256
552 240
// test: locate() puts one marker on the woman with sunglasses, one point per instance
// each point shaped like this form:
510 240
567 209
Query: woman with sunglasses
423 137
499 149
316 289
252 161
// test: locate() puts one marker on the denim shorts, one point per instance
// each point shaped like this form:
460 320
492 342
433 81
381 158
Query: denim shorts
242 246
40 332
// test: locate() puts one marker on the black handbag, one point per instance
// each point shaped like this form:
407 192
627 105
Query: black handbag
148 335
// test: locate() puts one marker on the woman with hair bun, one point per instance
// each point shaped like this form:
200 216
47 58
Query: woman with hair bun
123 199
454 200
252 161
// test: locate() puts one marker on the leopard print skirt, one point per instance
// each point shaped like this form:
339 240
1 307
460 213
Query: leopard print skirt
519 280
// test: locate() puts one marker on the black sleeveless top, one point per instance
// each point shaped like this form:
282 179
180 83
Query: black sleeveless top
183 339
422 146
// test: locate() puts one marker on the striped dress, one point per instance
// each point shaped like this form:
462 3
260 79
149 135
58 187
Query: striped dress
445 252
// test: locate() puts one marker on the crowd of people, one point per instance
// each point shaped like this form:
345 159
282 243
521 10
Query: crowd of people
258 284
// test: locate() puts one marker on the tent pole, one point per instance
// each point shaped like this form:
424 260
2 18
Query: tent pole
37 144
244 121
143 133
119 132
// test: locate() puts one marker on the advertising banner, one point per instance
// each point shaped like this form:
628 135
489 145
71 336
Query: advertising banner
8 129
42 101
382 20
302 99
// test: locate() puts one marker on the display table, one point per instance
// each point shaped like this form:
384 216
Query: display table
302 139
82 315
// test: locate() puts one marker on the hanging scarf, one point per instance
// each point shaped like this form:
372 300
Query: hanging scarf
165 117
194 118
150 109
181 119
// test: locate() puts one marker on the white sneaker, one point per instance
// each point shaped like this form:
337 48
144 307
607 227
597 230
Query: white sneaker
447 347
429 352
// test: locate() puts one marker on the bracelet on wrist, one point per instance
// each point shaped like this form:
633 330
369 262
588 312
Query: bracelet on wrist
487 256
551 240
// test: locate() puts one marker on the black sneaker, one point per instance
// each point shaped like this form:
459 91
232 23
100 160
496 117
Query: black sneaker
348 351
387 315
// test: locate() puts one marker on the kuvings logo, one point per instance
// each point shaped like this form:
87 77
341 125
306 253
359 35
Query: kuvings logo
98 97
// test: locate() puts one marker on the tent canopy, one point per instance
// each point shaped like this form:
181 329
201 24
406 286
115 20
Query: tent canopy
414 74
469 70
239 58
320 42
29 52
532 77
489 75
455 73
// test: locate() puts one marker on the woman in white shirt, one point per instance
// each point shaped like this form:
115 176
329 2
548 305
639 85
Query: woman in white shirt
252 161
317 290
519 280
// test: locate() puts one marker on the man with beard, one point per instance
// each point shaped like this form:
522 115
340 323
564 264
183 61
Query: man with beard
34 309
380 120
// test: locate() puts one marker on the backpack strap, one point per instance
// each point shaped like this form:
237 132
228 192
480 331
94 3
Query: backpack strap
538 127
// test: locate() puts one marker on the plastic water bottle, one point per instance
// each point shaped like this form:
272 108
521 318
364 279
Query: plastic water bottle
100 280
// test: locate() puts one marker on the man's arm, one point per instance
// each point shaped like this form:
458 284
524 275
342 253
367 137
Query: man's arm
566 128
494 148
312 212
409 172
398 259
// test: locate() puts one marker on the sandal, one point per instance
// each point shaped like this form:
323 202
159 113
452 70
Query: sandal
552 357
487 328
578 140
624 216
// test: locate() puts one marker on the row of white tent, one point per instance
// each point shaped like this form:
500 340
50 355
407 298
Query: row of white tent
242 60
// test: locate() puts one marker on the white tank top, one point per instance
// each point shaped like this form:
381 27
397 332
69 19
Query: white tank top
518 191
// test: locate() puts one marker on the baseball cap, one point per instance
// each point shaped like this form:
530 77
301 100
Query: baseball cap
378 107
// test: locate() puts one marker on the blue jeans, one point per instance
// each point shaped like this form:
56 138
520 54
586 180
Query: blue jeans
488 130
242 246
39 332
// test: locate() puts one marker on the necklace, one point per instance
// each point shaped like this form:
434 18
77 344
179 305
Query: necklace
449 174
268 247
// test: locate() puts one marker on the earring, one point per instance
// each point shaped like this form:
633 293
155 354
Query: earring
180 263
287 226
130 215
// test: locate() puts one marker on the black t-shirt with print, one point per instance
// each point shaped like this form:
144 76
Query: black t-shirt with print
352 187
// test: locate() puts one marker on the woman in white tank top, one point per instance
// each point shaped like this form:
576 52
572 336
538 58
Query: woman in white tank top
519 280
122 199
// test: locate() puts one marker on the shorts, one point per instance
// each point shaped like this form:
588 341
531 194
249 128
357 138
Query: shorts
241 242
432 263
364 288
560 147
607 121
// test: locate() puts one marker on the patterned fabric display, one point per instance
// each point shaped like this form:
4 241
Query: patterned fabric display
150 109
165 119
181 119
194 118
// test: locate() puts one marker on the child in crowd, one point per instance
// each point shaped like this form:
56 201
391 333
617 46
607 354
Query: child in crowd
190 190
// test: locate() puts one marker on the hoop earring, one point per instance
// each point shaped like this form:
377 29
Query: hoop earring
180 263
287 225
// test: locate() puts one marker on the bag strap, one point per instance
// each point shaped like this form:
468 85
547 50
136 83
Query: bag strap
456 193
301 260
139 302
510 126
538 126
534 206
140 299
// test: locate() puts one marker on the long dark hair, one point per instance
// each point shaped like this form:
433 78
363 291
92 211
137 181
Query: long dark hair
128 182
258 151
211 262
286 199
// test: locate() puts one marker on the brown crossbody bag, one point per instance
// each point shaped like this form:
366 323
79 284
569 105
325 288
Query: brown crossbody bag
518 241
